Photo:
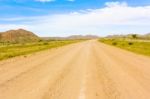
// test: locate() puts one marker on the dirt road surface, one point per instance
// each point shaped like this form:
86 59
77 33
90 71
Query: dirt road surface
86 70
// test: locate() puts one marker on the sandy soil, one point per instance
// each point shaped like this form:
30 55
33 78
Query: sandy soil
86 70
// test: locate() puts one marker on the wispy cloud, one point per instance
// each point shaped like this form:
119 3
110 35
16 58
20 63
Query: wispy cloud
45 0
71 0
52 0
115 17
114 4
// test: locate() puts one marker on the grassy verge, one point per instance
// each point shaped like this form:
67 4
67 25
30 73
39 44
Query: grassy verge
134 46
12 50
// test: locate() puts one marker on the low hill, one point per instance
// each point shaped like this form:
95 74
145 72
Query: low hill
19 35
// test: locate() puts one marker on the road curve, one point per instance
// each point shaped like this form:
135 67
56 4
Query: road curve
86 70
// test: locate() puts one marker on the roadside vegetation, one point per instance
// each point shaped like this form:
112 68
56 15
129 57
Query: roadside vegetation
9 50
133 44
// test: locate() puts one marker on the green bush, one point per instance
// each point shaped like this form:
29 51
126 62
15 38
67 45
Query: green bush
130 43
45 43
114 43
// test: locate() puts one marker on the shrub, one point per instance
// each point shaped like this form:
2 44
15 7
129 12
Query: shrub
40 40
114 43
134 36
45 43
130 43
10 56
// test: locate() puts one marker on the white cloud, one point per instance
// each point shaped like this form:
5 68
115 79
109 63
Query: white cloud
115 17
45 0
114 4
71 0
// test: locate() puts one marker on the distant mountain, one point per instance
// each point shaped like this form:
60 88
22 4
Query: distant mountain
145 36
148 34
83 37
72 37
19 35
116 36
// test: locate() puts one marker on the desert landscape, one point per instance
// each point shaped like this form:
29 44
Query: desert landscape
84 69
74 49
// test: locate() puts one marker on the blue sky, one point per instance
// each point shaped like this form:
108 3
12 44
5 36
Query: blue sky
37 7
67 17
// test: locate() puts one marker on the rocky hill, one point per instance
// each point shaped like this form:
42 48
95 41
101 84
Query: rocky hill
19 35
